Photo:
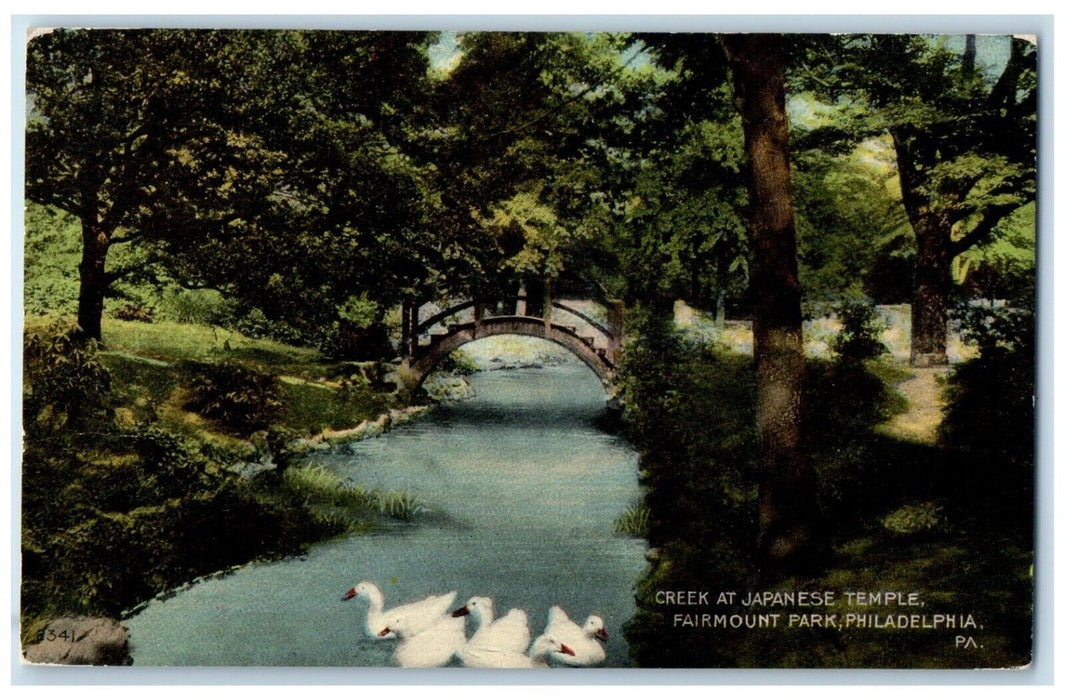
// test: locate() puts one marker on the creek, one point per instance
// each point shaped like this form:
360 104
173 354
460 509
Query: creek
522 489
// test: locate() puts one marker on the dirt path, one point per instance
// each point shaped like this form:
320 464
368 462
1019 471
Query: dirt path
924 392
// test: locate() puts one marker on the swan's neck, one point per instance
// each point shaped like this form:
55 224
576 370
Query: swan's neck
376 600
486 615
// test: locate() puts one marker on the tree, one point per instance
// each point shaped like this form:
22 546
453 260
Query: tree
354 201
267 164
855 241
964 139
128 131
524 117
787 495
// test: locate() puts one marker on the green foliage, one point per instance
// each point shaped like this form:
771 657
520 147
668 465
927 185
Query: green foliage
635 521
458 362
399 505
290 215
1005 267
990 416
232 394
133 312
51 255
854 239
310 408
914 519
692 414
859 338
110 562
199 306
65 386
359 310
330 495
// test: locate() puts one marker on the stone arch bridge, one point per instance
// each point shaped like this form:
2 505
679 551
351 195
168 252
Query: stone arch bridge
426 342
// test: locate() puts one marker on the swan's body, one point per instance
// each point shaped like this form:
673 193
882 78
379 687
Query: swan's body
536 658
494 640
412 617
584 641
430 647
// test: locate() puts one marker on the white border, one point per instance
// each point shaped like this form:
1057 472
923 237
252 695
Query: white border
544 15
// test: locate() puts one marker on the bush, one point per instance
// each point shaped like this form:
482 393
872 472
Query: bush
351 341
915 519
116 560
133 312
859 339
202 306
234 395
989 422
65 388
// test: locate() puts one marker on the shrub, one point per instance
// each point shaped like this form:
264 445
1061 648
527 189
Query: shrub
458 362
989 422
235 396
65 387
202 306
914 519
859 338
351 341
133 312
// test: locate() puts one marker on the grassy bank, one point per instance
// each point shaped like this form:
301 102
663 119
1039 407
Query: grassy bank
948 519
164 454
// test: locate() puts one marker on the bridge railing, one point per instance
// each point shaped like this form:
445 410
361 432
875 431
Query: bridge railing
562 313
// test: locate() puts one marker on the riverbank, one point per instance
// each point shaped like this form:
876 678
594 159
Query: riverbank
916 494
162 457
520 491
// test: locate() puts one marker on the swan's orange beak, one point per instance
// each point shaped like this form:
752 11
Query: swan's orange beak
385 632
464 610
601 633
349 595
566 650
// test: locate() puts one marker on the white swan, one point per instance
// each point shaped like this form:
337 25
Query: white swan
507 635
413 617
430 647
536 658
584 641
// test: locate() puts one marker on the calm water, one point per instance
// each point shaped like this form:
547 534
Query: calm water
523 489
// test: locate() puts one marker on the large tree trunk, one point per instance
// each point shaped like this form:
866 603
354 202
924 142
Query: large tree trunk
932 285
788 514
94 281
932 272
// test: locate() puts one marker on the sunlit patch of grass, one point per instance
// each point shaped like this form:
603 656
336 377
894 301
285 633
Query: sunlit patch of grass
172 341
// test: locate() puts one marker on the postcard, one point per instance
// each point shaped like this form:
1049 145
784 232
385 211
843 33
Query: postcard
359 348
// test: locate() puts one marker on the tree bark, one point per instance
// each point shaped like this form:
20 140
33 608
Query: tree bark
93 279
534 296
789 519
931 297
932 274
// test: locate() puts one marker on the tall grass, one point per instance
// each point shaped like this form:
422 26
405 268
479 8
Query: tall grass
331 495
635 521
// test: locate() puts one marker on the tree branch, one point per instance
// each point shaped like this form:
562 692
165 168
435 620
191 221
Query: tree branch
1006 85
983 230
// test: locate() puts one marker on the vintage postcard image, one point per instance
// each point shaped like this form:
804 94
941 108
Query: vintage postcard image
349 348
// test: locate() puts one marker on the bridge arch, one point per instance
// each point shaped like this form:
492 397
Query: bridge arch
601 359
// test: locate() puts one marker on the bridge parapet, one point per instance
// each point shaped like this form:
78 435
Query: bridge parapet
596 343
